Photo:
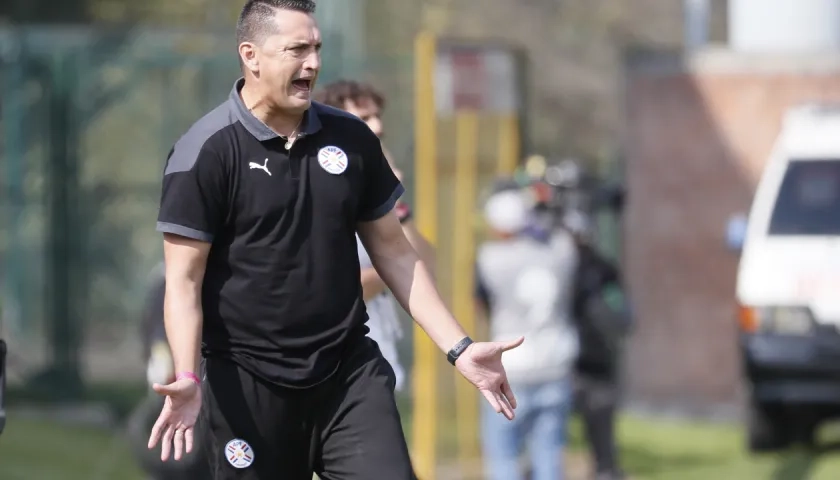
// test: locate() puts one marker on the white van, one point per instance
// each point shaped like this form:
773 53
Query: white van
788 287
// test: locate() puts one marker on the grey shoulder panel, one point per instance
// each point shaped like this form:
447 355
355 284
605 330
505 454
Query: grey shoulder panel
187 148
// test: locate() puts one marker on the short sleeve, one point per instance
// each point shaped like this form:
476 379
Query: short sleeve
194 195
381 187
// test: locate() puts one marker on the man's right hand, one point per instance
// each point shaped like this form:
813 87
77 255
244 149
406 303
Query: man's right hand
177 419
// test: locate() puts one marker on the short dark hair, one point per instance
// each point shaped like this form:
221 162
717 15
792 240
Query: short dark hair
256 21
338 93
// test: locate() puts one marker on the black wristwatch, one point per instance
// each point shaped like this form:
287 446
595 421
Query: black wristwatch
458 349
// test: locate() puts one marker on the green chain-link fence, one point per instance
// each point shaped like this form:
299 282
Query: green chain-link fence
87 120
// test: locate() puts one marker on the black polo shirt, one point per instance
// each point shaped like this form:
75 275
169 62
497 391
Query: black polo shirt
282 295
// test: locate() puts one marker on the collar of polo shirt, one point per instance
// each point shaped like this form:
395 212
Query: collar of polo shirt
311 122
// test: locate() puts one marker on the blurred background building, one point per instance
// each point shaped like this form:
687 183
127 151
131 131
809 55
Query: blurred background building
700 126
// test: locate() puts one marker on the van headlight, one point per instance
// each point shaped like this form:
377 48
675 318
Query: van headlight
780 320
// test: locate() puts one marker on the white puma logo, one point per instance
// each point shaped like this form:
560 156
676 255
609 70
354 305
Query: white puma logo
264 167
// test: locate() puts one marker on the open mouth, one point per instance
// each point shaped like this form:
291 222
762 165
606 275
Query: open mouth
302 84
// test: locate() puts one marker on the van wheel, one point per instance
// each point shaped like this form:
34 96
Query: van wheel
767 429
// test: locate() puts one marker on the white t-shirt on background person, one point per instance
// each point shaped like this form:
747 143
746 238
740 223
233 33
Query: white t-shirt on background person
383 322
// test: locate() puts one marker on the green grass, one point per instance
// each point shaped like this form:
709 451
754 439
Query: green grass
651 450
35 449
661 449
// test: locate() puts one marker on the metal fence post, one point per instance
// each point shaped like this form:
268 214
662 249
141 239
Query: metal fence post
64 328
12 113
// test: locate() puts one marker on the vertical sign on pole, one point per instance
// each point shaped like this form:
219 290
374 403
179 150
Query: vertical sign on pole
471 81
465 82
468 87
509 144
502 68
424 374
466 191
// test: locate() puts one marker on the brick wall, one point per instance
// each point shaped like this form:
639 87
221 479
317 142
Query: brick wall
696 137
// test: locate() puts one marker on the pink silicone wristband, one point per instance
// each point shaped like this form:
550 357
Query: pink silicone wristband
189 375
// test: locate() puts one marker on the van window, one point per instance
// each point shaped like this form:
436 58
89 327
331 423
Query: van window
809 199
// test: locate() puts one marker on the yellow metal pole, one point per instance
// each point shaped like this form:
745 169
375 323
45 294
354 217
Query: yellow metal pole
508 144
425 383
466 180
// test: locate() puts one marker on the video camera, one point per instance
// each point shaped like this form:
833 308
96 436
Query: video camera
567 197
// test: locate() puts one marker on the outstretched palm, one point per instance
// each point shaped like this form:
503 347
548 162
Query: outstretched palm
177 419
481 365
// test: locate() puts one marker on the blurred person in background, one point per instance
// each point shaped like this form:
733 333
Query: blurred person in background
524 286
159 369
566 199
599 308
364 101
603 321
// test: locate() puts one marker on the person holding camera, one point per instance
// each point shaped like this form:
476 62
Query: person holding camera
566 201
600 312
602 322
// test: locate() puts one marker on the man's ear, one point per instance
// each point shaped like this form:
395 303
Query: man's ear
248 57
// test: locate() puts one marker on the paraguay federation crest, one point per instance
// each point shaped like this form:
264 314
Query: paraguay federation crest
332 159
239 453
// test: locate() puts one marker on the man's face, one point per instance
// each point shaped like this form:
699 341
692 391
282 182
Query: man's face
366 109
288 61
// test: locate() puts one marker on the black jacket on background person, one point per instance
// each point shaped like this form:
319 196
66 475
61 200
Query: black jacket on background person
601 323
152 322
194 465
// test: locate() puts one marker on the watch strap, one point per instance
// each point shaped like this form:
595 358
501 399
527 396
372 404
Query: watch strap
458 349
190 376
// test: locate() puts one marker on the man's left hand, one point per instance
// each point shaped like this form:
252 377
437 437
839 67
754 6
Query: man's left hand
481 364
